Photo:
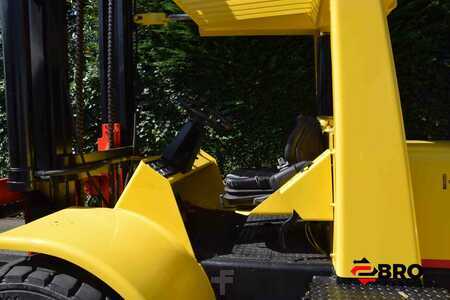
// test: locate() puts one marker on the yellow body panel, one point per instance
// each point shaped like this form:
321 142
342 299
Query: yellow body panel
140 248
201 186
150 195
255 17
151 19
430 171
308 193
374 205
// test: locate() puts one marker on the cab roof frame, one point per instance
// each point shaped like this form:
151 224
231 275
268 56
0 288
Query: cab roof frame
262 17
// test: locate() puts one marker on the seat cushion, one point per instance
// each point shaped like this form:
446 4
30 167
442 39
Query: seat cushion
254 172
247 183
231 200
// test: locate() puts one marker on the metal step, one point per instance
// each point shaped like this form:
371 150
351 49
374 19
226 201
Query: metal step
253 271
329 288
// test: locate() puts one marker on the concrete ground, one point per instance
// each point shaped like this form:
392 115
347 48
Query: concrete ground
5 225
10 223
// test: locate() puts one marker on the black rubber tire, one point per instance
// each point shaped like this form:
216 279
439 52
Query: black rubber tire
43 277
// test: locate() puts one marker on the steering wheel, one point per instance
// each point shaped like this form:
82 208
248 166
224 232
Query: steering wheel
211 118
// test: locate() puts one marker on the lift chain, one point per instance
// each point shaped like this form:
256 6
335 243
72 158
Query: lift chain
110 73
80 62
80 65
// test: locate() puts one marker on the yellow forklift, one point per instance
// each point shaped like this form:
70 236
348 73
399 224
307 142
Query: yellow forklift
352 211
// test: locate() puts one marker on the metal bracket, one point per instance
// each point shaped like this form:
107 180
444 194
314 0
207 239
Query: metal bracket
151 18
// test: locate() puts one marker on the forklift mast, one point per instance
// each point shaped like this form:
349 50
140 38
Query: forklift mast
38 106
40 120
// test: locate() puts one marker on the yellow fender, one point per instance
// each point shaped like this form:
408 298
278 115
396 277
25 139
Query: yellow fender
140 248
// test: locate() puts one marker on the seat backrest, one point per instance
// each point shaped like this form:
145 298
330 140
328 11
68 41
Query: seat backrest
306 141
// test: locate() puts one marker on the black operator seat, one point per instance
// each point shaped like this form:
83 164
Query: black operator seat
249 187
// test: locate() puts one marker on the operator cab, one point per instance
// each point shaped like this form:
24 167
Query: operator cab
249 187
245 187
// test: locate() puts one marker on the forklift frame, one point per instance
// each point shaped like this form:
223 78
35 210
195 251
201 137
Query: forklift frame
374 180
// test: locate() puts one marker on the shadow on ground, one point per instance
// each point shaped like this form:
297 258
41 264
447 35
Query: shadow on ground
5 225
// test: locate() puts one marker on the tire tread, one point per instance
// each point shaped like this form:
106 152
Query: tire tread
40 277
17 274
65 282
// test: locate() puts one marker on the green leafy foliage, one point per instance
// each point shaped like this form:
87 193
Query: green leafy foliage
260 84
421 41
3 123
